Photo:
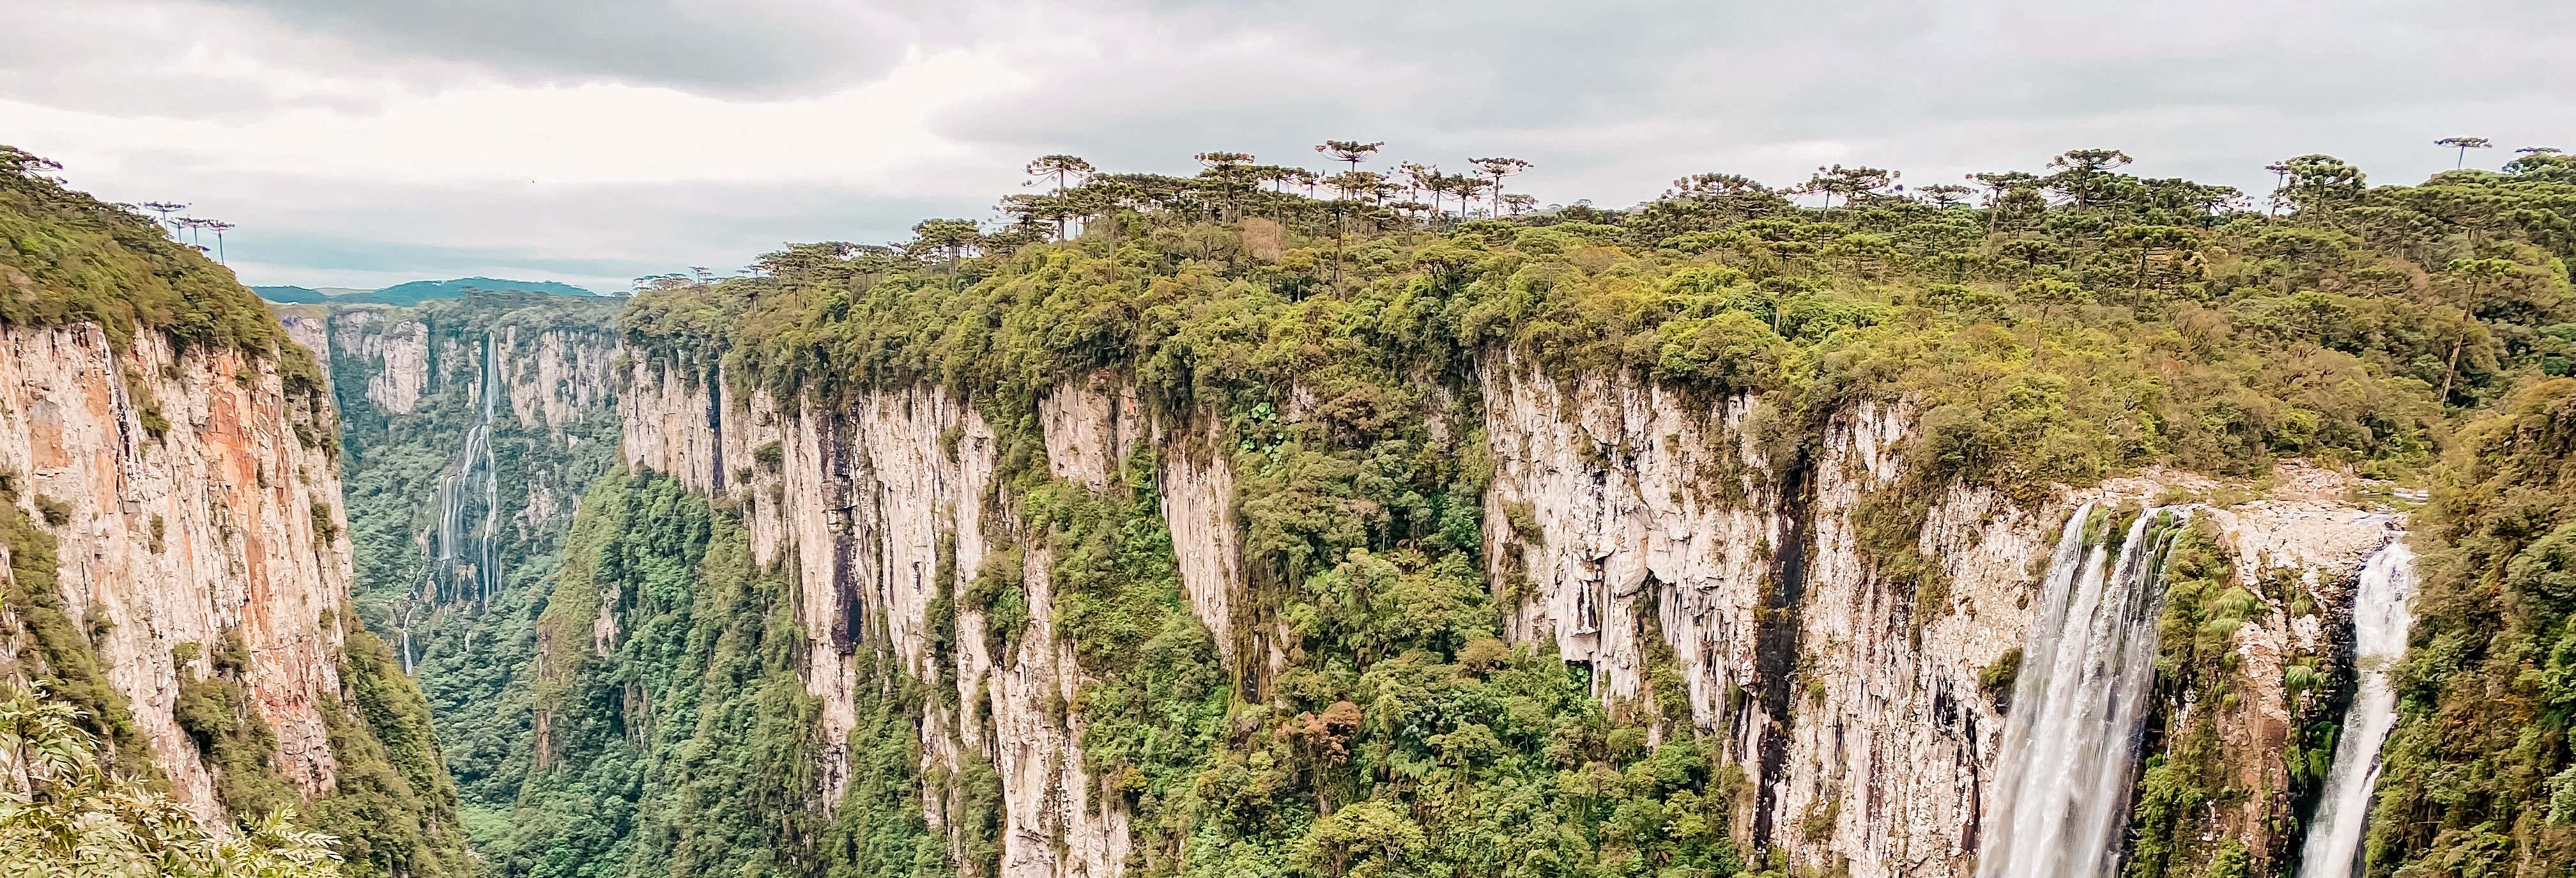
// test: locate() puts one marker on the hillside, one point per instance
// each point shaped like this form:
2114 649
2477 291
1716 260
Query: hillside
1209 527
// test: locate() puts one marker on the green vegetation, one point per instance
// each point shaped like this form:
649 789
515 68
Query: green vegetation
62 658
685 747
466 651
66 257
66 813
2478 776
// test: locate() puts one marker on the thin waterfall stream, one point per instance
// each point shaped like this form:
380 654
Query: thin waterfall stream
2380 619
2070 744
465 560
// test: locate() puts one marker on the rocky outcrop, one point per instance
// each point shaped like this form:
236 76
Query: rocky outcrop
553 377
225 524
397 349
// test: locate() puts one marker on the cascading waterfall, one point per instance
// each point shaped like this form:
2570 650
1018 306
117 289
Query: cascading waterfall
2070 745
465 564
2380 619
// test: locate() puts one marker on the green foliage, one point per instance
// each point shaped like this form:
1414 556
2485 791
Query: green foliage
393 807
66 257
685 746
66 813
2472 774
62 658
236 745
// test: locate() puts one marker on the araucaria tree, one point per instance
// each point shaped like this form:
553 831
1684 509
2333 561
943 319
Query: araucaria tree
2463 144
1350 151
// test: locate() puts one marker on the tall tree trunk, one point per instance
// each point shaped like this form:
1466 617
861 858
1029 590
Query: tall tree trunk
2452 367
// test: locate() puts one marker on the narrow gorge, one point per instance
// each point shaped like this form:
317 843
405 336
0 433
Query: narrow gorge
1230 535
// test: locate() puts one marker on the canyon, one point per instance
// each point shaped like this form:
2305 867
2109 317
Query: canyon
1715 537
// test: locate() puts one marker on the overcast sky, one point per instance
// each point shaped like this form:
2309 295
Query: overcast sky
365 142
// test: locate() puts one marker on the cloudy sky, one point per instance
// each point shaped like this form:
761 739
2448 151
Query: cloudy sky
365 142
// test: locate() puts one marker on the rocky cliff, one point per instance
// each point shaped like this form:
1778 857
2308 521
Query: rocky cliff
1670 543
190 499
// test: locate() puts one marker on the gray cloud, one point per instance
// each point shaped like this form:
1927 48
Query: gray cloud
755 48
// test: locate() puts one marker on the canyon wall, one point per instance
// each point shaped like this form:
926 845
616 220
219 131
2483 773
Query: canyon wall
190 498
1627 526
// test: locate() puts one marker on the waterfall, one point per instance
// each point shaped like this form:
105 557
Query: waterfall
466 563
2379 623
2070 744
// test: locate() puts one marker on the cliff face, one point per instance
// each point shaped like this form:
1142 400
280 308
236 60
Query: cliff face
860 500
225 525
1627 527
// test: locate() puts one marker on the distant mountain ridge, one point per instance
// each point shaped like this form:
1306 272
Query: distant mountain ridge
413 292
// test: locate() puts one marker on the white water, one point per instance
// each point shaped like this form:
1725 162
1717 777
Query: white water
2379 622
472 472
465 561
2070 744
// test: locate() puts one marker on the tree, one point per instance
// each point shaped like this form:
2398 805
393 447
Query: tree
165 209
2151 241
1944 195
1519 203
1067 170
63 813
1467 187
1227 169
1351 151
2469 278
2321 182
218 227
191 225
2280 183
2083 175
2538 150
1999 184
2464 144
1850 183
1496 168
17 162
944 240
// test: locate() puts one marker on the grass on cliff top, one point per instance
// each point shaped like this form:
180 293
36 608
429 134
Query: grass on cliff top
66 257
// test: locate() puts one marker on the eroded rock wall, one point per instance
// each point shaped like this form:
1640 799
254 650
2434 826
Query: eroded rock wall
860 498
225 524
1627 525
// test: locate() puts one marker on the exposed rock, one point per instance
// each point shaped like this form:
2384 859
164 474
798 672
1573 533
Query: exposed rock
1636 525
227 523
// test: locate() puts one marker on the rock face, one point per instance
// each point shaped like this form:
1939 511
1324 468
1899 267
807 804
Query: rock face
227 523
1631 526
861 498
